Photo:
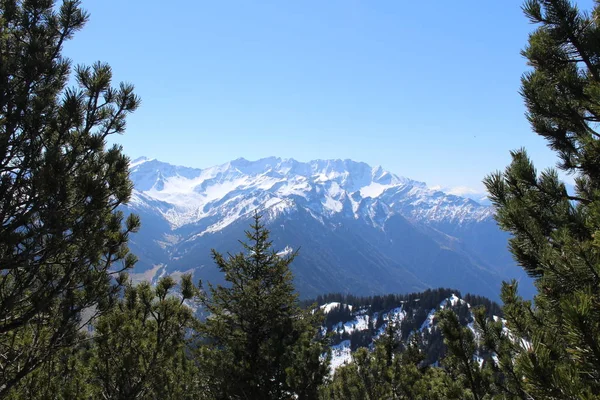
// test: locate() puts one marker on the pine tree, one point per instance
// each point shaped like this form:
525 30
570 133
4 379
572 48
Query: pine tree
407 370
556 234
259 343
65 376
346 384
137 350
460 361
364 378
436 384
62 241
392 371
140 349
502 351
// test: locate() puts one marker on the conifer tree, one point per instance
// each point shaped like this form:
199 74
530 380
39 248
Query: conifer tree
346 383
460 362
137 350
259 343
62 241
365 377
65 376
140 349
388 372
502 350
556 234
407 370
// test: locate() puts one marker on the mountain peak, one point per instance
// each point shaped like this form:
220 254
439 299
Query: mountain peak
383 222
139 161
324 188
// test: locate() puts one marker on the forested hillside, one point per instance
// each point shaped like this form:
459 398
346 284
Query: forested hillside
353 322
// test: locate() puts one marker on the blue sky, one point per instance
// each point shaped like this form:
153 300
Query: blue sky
427 89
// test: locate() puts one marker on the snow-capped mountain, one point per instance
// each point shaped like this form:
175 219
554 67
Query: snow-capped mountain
325 187
479 196
360 228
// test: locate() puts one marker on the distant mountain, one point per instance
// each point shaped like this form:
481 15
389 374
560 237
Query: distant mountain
480 197
360 229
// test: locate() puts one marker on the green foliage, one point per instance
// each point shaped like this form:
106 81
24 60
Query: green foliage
505 377
460 362
61 239
63 255
555 234
140 346
391 371
259 343
138 350
549 348
346 384
436 384
63 377
416 307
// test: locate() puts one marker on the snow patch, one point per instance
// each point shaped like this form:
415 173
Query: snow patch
373 190
287 250
340 355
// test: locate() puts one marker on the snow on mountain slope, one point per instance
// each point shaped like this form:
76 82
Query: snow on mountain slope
348 331
325 187
360 228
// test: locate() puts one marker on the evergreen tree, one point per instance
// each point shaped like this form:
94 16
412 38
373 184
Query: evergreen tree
406 369
502 354
365 378
391 372
61 239
65 376
259 343
436 384
139 348
555 234
346 384
460 361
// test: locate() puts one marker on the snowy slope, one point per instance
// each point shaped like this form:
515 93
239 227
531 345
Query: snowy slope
325 187
341 333
361 229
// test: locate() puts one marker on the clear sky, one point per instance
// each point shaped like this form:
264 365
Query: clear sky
427 89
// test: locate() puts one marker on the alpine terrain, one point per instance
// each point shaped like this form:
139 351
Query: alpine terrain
353 322
360 229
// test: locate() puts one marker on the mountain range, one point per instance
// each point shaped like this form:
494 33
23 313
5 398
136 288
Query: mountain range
359 229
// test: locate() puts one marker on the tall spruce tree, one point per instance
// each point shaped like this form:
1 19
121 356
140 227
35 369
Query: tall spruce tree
61 239
259 343
556 234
